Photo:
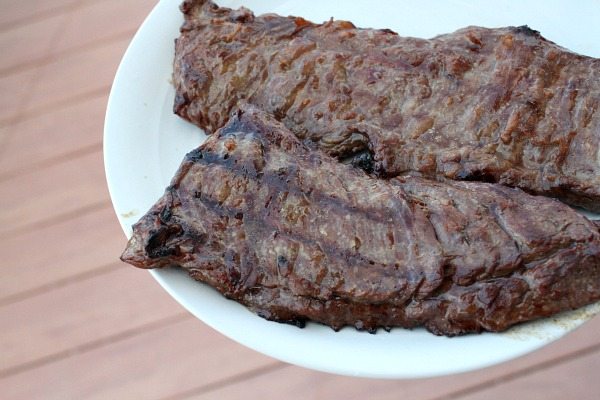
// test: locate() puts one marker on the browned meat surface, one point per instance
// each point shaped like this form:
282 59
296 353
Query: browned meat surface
500 105
295 235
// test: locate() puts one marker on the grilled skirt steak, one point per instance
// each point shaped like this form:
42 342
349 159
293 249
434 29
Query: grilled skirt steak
296 235
498 105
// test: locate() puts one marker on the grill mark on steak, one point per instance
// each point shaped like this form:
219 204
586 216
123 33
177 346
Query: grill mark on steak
501 105
270 216
295 236
278 184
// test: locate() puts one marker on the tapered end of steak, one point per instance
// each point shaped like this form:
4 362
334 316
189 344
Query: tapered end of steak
155 240
297 236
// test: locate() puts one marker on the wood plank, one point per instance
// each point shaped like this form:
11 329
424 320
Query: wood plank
71 248
298 383
19 12
96 348
92 309
575 379
87 24
16 89
25 44
76 73
151 365
59 190
36 141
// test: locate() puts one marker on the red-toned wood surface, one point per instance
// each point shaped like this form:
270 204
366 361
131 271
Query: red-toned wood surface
77 323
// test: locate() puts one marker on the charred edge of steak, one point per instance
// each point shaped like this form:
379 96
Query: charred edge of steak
526 30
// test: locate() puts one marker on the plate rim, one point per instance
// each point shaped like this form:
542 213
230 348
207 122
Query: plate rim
164 278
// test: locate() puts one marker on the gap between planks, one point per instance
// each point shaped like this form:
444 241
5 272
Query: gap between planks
55 219
94 241
244 376
54 56
269 368
37 16
150 365
23 106
80 317
26 110
95 344
69 280
520 373
321 385
34 166
45 109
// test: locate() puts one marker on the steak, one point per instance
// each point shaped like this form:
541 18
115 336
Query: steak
295 235
499 105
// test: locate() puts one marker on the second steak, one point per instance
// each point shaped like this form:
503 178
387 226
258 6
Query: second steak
500 105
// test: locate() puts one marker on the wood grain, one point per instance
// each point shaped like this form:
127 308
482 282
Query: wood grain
78 324
154 364
19 12
54 192
76 73
16 89
36 142
87 24
298 383
569 380
88 311
25 44
71 248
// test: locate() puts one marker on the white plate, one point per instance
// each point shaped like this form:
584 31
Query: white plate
144 144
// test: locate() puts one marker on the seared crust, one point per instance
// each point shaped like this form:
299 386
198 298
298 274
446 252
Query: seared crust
295 236
499 105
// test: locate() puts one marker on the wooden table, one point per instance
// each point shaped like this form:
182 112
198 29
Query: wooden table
76 323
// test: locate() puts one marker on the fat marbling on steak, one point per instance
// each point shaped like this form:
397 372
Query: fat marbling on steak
499 105
296 235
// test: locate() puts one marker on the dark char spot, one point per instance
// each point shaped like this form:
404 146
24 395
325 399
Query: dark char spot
157 242
476 176
165 215
283 265
525 30
194 155
362 160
